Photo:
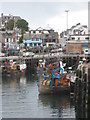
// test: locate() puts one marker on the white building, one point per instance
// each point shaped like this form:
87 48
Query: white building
77 32
10 38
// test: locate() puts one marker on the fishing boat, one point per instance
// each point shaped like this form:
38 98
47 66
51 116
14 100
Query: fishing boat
10 67
53 89
54 83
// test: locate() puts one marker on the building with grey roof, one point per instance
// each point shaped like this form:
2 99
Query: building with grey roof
48 37
5 18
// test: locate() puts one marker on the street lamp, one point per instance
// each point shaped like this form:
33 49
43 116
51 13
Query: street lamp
67 17
67 26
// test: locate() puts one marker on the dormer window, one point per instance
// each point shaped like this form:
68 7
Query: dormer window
34 31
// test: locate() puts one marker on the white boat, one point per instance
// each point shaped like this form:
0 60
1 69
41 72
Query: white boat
22 66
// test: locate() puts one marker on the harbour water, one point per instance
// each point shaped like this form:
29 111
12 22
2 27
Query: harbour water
21 99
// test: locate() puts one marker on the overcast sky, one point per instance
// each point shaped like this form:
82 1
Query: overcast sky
48 14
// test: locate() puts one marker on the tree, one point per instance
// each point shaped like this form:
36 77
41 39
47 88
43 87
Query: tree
22 24
10 24
21 38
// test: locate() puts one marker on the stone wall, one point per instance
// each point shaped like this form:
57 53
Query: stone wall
76 47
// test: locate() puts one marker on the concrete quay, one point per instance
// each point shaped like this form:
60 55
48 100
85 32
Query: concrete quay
43 56
31 61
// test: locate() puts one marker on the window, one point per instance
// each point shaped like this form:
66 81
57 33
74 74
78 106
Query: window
79 38
7 39
32 39
34 31
50 44
46 40
31 44
37 39
53 40
39 44
73 38
35 44
50 40
86 38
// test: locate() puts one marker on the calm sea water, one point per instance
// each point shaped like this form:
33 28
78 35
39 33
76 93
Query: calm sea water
21 99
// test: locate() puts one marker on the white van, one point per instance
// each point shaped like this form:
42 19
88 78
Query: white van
28 54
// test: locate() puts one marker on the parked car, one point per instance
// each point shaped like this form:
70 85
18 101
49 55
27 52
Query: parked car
28 54
2 54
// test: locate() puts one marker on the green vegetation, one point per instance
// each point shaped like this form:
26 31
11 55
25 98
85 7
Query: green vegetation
22 24
21 38
10 24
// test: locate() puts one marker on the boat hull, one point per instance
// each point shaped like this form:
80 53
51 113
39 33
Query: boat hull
53 89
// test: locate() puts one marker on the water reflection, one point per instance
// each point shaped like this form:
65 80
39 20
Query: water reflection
20 98
60 105
55 101
23 80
